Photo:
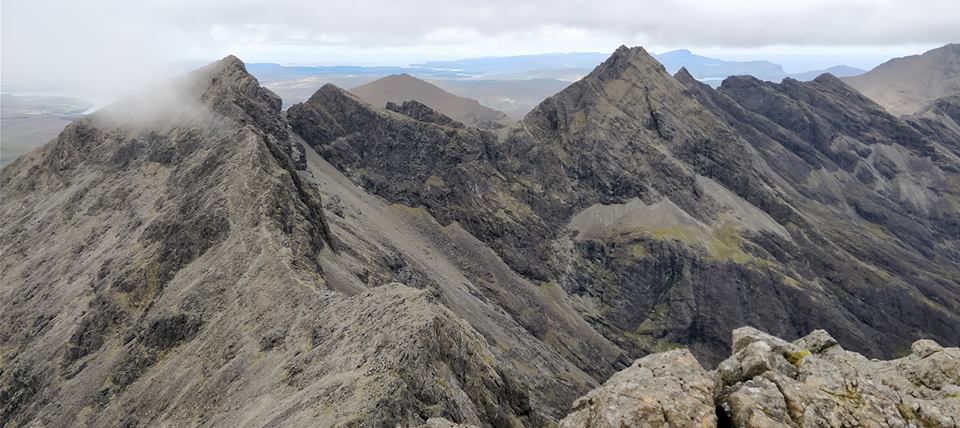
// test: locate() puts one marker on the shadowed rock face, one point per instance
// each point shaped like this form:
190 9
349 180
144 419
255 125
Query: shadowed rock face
768 381
672 213
423 113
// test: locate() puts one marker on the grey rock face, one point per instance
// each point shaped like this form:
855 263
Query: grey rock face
664 207
166 263
769 382
670 389
829 386
423 113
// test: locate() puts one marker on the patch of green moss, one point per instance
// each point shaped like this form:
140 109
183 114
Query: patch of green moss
514 206
548 284
723 243
666 345
906 411
653 319
726 244
796 357
639 251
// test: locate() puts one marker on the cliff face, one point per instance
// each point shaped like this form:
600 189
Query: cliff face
201 257
671 213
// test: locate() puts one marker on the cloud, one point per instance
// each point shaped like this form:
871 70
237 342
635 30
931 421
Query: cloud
52 40
679 22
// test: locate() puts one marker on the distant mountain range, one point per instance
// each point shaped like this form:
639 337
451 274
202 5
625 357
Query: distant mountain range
906 85
714 70
398 88
561 66
510 84
270 72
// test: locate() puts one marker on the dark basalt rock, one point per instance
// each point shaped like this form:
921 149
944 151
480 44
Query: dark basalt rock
423 113
169 331
629 130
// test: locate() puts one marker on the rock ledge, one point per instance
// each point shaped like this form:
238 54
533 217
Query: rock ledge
767 382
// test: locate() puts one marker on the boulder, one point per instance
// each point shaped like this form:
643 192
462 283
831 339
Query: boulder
668 389
769 382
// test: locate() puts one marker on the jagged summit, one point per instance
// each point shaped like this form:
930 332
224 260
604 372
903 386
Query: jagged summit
329 90
683 75
617 65
740 82
828 78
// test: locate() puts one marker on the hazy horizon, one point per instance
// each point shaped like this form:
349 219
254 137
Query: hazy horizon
81 48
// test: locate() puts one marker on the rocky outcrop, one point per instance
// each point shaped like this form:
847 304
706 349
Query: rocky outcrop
423 113
767 382
666 389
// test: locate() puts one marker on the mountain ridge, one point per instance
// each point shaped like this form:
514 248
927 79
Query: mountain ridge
343 263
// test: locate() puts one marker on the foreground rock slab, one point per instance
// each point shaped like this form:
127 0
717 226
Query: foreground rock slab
769 382
669 389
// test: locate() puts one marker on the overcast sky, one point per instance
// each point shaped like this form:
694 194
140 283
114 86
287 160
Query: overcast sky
70 40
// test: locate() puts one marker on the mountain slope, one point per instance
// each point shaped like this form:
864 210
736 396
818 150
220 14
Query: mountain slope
905 85
167 249
398 88
630 191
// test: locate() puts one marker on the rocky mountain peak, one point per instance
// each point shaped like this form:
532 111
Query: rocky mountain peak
629 84
829 79
227 88
622 59
734 82
683 76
